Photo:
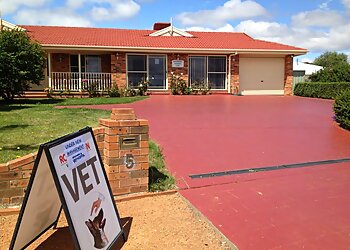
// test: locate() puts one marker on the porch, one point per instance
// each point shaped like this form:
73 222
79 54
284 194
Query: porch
74 73
78 82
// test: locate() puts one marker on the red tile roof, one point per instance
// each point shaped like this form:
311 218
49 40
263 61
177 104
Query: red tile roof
109 37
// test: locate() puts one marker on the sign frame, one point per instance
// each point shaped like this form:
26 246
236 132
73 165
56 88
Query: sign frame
25 201
177 63
45 148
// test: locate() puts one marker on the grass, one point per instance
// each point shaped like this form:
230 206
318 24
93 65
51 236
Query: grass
25 124
101 100
159 178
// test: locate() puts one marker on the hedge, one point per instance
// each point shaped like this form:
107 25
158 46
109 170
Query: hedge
342 109
326 90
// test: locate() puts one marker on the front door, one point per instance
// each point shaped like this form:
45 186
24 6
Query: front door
156 72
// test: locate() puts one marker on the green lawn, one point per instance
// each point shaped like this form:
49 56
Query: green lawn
25 124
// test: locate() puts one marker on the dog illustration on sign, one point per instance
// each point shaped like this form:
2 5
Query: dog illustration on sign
97 225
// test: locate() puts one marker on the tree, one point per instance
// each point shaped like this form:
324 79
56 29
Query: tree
331 59
22 63
335 68
341 73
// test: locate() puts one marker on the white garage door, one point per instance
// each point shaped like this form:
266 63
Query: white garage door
261 76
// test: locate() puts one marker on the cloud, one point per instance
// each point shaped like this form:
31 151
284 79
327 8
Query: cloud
119 9
74 4
226 28
324 5
318 18
231 10
68 15
316 30
11 6
262 29
51 17
346 3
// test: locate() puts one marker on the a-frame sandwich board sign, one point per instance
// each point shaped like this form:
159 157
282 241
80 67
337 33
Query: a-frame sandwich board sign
68 173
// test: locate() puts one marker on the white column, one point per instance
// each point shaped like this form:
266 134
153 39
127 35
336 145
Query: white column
79 66
50 73
228 82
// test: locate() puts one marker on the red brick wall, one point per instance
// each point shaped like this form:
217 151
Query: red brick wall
60 62
106 63
125 180
14 178
288 75
118 69
177 71
234 88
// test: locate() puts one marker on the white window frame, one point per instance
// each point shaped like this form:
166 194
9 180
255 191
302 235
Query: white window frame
207 72
85 60
147 69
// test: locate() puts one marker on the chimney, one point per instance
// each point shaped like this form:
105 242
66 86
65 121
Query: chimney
160 26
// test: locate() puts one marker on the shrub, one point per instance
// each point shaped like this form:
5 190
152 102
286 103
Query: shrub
178 86
321 89
200 88
22 63
130 92
142 87
92 90
342 109
114 91
341 73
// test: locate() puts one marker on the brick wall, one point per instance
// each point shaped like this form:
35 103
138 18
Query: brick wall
234 88
106 63
15 174
123 179
60 62
288 75
177 71
118 69
14 178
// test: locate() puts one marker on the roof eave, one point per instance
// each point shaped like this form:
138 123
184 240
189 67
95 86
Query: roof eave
171 50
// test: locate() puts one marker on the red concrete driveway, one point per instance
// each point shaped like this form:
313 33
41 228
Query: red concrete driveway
284 209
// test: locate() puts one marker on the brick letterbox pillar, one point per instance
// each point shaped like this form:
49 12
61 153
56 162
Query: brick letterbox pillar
126 150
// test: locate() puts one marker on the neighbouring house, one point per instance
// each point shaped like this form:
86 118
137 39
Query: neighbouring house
302 71
230 62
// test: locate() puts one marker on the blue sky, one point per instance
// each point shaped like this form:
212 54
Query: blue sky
317 25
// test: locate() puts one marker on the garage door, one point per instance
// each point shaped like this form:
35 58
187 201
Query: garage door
261 76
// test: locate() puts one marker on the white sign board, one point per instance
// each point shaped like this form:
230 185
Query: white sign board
84 191
177 63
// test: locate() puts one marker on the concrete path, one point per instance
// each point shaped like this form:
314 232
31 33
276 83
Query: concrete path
293 208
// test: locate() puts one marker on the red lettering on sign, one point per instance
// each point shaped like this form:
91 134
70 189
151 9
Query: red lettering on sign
62 159
87 145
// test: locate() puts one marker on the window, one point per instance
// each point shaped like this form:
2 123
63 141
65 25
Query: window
93 64
209 70
137 69
89 63
144 67
216 72
74 63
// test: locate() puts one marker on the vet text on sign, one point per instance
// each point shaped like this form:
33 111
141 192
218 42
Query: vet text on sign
72 171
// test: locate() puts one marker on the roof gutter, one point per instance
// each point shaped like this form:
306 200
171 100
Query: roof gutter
171 50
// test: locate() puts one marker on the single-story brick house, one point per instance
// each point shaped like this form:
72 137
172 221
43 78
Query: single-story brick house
228 61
